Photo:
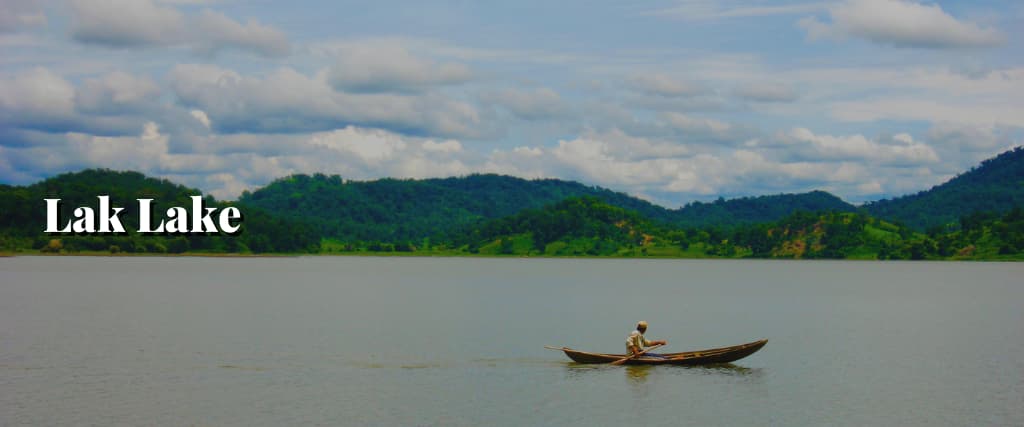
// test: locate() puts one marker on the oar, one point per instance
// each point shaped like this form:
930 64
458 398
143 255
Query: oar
623 360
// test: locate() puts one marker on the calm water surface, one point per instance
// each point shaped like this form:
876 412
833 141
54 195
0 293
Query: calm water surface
455 341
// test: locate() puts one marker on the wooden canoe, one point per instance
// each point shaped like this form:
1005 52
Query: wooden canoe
688 358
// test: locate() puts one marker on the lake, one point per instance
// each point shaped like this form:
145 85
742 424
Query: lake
459 342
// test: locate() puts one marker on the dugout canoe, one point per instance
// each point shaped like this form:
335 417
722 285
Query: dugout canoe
688 358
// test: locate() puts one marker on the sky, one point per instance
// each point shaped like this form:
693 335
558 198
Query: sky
670 101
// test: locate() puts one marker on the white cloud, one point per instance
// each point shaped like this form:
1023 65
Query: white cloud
446 146
373 146
220 32
901 23
389 67
900 149
40 99
679 178
201 116
288 101
704 130
115 92
139 23
975 138
123 23
930 94
38 94
539 104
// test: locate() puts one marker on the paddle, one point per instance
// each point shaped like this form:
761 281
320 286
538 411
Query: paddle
623 360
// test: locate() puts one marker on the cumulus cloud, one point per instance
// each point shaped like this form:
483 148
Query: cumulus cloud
37 95
901 23
927 94
40 99
219 32
123 23
899 149
401 156
674 180
975 138
115 92
390 67
201 117
140 23
227 164
702 130
539 104
674 173
288 101
51 154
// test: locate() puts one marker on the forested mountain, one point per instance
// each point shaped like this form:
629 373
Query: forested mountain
587 226
975 215
575 226
23 217
752 210
399 210
997 185
393 210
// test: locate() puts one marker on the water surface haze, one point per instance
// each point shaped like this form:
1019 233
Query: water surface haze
460 341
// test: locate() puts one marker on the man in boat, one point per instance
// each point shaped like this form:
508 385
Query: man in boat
636 342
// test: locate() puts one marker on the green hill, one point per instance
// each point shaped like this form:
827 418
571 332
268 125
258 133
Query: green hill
575 226
845 235
23 210
589 227
752 210
997 185
498 215
836 235
396 210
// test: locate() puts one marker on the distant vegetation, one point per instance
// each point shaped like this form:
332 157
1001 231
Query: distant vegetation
753 210
976 215
395 210
589 227
997 185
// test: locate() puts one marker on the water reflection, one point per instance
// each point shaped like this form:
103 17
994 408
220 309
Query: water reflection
731 369
639 374
575 370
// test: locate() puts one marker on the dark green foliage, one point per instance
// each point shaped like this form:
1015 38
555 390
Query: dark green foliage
752 210
397 210
607 227
997 185
807 235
